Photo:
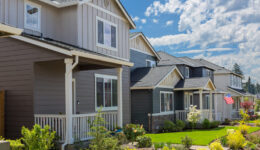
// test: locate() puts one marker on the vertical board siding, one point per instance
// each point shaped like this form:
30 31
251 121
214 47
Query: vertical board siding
17 78
85 91
140 44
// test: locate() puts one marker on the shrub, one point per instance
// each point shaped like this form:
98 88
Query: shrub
201 149
216 146
244 115
168 148
132 131
257 123
236 140
180 125
214 124
168 126
38 138
244 129
226 122
223 141
16 144
193 116
186 142
121 138
158 145
205 124
144 141
233 123
101 136
251 146
179 147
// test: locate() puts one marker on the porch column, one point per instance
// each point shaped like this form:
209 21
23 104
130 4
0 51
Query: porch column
210 105
68 99
119 98
200 95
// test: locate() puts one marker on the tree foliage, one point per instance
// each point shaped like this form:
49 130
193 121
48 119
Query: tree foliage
237 69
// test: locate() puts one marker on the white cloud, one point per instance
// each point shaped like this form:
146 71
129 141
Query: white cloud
155 21
143 21
215 23
195 51
136 18
168 23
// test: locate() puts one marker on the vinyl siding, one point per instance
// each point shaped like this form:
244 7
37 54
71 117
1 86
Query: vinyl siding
222 81
17 78
85 91
179 100
141 104
139 59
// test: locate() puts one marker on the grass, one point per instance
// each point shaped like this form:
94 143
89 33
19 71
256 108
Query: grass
200 137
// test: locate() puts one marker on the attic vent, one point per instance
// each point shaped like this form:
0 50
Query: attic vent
106 3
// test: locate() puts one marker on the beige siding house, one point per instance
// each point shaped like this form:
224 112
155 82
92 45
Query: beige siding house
62 61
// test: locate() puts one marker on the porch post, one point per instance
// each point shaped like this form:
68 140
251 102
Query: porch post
201 105
68 99
119 98
210 105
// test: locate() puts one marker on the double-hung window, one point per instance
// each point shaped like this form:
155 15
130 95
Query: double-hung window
32 16
106 34
106 92
166 101
187 72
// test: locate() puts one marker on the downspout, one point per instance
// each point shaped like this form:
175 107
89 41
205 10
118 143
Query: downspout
73 66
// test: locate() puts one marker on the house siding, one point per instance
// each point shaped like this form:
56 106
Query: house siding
179 100
139 59
85 91
141 104
17 78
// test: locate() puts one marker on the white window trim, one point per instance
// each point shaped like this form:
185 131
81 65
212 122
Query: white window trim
104 77
166 112
151 61
25 16
103 45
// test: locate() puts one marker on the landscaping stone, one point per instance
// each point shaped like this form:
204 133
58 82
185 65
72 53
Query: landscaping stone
4 145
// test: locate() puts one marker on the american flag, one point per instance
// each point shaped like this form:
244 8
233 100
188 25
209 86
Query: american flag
228 99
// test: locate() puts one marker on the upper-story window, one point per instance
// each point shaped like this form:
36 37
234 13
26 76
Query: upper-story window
206 73
106 34
187 72
235 81
32 16
150 63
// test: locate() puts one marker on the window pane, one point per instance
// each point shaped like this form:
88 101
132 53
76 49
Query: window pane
162 102
107 35
108 93
113 36
114 86
100 92
32 16
100 32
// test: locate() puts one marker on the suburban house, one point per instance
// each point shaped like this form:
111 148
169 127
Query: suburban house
71 60
228 82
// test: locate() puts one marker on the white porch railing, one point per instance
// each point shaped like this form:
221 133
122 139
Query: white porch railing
81 124
182 114
56 122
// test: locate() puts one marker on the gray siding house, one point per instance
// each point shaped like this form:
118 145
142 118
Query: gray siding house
71 60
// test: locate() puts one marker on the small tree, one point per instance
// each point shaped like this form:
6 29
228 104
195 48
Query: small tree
247 104
193 116
102 138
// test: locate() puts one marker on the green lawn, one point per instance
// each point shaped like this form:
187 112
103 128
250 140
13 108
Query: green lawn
200 137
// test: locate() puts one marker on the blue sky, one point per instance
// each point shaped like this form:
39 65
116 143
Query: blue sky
221 31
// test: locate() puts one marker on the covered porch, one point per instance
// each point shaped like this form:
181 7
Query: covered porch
195 93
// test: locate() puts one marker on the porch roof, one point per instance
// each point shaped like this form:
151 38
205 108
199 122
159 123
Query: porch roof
71 50
240 92
200 83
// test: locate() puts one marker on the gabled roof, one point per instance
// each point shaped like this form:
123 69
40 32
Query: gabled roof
218 69
150 78
66 3
195 84
240 92
137 34
167 59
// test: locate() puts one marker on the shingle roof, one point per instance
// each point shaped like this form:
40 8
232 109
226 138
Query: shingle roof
241 91
193 83
149 77
218 69
167 59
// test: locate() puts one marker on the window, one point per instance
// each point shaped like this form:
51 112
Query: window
166 101
188 100
150 63
235 82
32 16
106 92
206 102
187 72
106 34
